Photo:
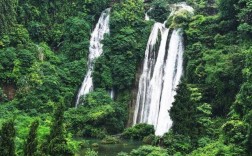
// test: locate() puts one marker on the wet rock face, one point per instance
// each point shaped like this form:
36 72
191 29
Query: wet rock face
9 90
134 96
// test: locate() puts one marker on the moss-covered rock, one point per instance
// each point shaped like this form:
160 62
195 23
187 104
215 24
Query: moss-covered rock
180 16
110 140
95 145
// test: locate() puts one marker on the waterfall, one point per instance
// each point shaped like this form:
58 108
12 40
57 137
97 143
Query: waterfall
161 73
95 50
147 17
112 94
172 74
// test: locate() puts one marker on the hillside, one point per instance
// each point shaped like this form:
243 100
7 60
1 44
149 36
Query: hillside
172 74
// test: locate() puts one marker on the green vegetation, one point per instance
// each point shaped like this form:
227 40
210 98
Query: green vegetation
31 144
43 53
208 109
56 143
7 15
110 140
98 116
91 153
123 48
149 151
7 144
138 132
43 59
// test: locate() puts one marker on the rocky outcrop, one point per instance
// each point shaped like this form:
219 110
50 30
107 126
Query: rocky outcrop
9 90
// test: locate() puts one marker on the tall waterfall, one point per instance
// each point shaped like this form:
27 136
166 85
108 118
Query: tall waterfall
95 50
161 73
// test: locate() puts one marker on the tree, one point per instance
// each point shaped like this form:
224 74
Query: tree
243 103
182 111
97 115
227 9
160 10
248 120
190 116
204 113
177 143
235 132
7 16
56 143
7 137
76 38
31 144
244 7
124 47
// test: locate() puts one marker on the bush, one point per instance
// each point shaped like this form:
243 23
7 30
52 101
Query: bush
138 132
180 18
218 148
91 152
235 132
149 151
97 117
176 142
151 139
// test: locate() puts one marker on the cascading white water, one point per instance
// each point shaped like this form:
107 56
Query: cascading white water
147 17
112 94
172 74
162 70
95 50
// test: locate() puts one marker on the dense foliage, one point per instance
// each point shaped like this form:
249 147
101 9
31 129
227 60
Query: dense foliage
123 48
56 142
30 147
38 66
149 151
43 59
210 97
138 132
7 144
97 117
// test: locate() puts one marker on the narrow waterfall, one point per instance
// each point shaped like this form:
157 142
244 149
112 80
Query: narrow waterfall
147 18
95 50
162 70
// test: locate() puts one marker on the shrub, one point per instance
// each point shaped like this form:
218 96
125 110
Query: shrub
149 151
177 142
151 139
91 152
235 131
138 132
97 117
218 148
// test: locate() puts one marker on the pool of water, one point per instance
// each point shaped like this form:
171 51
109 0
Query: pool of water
110 149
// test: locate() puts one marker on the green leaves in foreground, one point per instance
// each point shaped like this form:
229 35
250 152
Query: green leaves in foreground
7 137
